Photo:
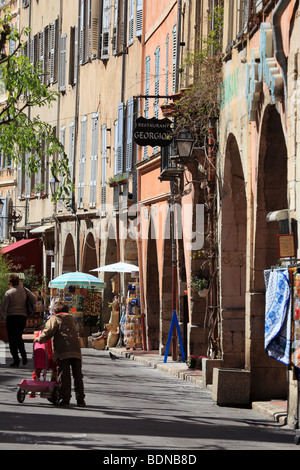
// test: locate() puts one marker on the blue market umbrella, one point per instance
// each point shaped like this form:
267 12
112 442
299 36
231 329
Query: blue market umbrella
76 279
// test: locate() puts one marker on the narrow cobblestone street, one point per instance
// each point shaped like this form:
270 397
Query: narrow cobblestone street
132 407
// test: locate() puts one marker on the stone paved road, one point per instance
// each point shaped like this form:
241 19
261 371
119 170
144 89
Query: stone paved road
131 407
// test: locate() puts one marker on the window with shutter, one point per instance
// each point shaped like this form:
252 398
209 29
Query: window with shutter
83 28
243 16
120 138
106 19
63 62
147 91
117 27
46 66
139 18
27 179
3 219
174 59
95 29
42 55
81 176
115 147
167 65
20 179
71 152
129 134
131 22
94 159
103 169
53 42
73 59
157 77
63 142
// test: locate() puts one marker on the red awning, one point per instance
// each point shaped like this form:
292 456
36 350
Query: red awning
24 253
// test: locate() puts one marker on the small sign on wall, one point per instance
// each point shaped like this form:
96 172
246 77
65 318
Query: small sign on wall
286 246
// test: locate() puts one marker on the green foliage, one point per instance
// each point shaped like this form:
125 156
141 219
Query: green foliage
5 268
199 283
32 280
21 134
201 102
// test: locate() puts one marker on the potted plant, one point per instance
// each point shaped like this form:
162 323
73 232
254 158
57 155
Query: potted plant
200 285
195 362
118 179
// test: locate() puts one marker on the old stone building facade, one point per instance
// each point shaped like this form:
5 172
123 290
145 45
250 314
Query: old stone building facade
258 169
112 61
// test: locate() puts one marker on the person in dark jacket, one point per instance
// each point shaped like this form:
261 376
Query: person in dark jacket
14 307
66 352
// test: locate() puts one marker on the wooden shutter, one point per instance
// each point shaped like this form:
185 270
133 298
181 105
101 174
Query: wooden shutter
71 151
129 134
139 18
63 142
131 21
3 219
106 19
42 55
147 90
174 59
94 159
103 169
81 176
157 77
167 65
27 179
120 138
53 51
116 28
82 33
95 29
63 62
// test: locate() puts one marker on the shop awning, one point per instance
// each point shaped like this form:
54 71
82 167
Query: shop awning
42 229
24 254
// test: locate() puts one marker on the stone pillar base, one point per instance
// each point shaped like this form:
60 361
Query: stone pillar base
231 387
208 365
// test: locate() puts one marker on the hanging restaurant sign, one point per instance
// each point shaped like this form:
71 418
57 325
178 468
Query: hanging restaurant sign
153 132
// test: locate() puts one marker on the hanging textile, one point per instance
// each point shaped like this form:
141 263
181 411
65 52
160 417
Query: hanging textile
278 314
296 333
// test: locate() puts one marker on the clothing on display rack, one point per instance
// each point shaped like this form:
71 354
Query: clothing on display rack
278 314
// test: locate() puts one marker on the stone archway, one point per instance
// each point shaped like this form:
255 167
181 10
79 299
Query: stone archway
166 306
69 258
233 259
89 259
268 377
152 293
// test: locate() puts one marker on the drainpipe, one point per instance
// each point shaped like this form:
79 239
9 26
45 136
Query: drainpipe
172 199
277 37
75 142
139 240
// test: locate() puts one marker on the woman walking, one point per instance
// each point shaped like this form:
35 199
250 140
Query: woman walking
14 307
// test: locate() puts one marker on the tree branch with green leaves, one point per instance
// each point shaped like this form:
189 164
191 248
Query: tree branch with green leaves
20 133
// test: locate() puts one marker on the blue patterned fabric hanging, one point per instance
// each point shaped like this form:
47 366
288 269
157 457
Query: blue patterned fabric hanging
278 314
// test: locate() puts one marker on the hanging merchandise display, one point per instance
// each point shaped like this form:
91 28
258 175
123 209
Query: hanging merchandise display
83 294
296 325
131 322
278 314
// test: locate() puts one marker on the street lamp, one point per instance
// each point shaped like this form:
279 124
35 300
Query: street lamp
185 144
54 183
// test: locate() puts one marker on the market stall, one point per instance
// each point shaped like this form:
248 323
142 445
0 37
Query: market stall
125 315
131 321
83 293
